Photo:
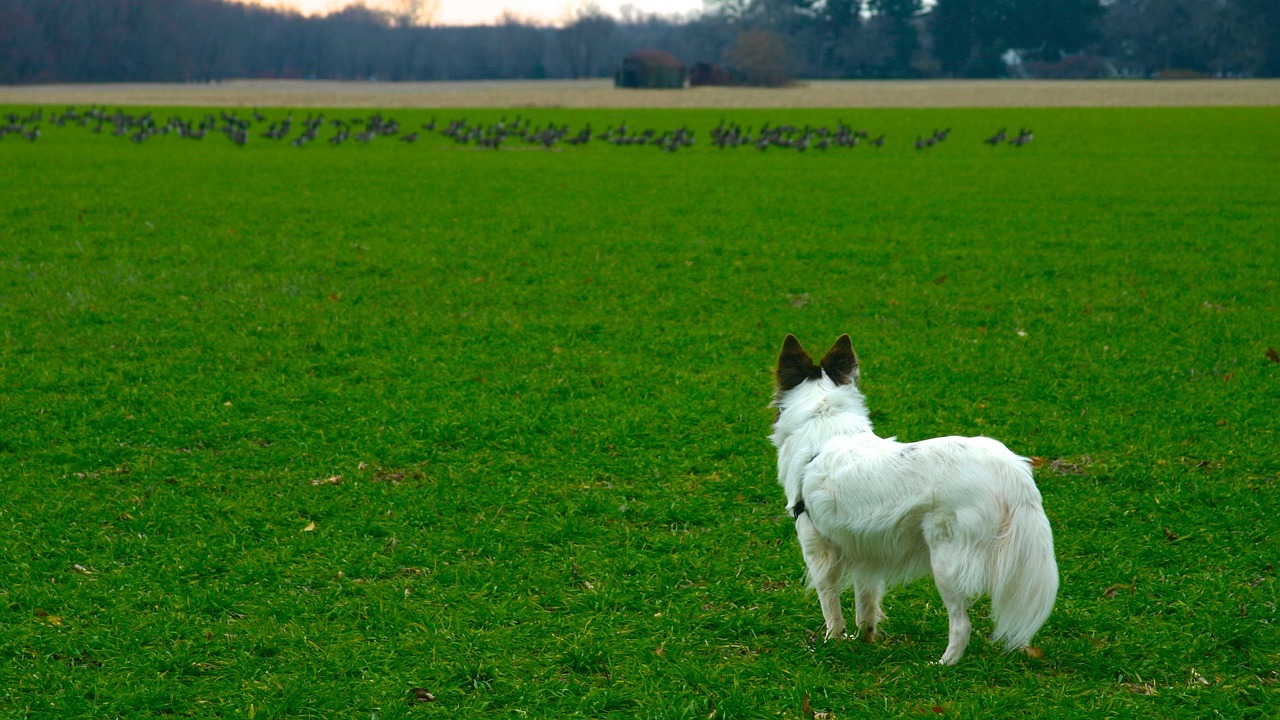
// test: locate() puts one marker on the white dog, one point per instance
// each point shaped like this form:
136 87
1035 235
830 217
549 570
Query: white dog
872 511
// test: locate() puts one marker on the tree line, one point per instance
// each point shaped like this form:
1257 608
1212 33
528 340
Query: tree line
209 40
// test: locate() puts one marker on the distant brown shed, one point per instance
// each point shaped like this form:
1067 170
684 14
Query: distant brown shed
705 73
650 69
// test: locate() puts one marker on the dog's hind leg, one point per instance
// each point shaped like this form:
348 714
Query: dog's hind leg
825 573
868 592
948 575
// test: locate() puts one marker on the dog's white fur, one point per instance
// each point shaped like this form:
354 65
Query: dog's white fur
875 512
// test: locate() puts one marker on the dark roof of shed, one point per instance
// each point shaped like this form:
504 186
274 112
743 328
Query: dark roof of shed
656 58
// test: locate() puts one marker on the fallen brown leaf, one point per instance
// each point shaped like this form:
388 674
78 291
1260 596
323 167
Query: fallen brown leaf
1033 652
1114 590
806 708
310 526
1272 355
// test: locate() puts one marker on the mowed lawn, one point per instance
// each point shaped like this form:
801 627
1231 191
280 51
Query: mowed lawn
397 430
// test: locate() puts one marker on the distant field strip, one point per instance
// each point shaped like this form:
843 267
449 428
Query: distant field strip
602 94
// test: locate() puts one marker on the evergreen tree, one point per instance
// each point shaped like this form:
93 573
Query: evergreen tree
906 40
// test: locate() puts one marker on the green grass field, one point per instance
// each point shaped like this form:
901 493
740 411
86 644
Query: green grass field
543 380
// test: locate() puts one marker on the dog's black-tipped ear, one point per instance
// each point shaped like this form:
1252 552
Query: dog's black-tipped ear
795 365
841 362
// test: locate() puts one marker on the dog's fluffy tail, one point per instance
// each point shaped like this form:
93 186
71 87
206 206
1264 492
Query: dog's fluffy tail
1024 579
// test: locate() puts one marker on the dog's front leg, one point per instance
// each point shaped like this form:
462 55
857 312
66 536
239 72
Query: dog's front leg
825 570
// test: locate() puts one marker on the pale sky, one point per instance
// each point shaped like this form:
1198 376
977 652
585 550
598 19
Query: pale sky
479 12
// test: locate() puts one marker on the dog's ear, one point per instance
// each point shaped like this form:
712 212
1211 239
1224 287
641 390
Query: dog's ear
841 362
795 365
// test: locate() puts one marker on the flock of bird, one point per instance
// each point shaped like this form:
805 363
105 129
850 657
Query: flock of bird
139 128
1022 138
792 137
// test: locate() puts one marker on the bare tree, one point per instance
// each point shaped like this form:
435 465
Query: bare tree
761 58
584 39
413 13
1183 35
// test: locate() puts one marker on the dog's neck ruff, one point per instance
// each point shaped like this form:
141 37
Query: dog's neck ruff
818 410
810 415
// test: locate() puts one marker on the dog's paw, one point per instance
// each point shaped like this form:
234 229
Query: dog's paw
950 657
835 634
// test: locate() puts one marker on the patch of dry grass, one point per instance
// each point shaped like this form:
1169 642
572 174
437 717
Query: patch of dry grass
602 94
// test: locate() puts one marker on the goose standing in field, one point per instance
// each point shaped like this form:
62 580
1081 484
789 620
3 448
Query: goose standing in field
996 139
549 137
1024 137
